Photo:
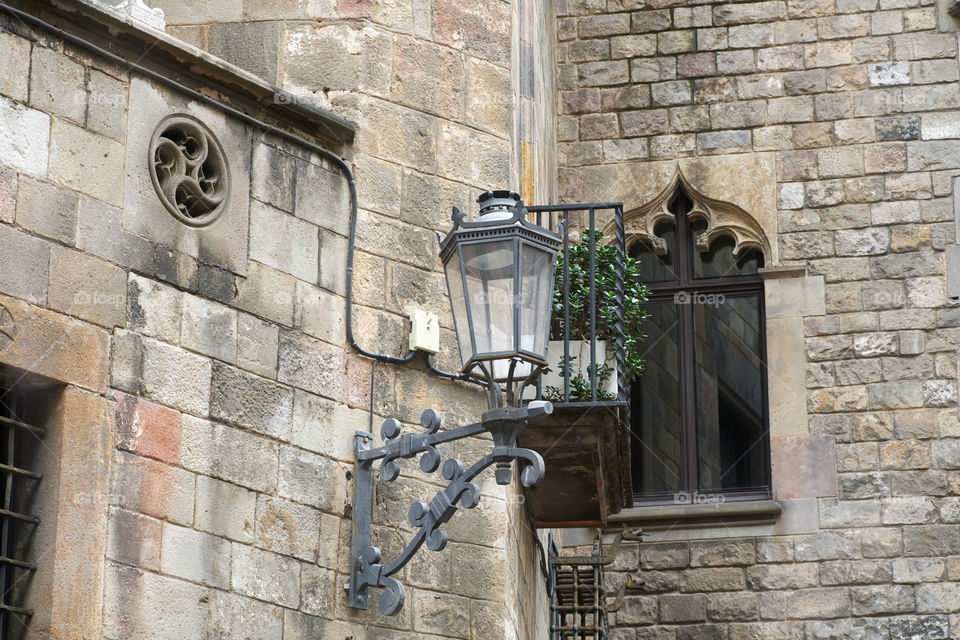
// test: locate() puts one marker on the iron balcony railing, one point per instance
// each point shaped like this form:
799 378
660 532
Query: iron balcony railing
585 220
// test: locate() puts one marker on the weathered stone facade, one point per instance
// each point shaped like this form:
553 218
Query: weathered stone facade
203 395
834 125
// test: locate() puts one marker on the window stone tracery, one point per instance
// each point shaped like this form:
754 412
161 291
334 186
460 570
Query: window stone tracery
721 219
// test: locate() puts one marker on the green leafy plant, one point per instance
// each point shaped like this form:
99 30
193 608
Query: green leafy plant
635 294
580 384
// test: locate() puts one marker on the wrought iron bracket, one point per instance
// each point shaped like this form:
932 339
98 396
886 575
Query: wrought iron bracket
366 566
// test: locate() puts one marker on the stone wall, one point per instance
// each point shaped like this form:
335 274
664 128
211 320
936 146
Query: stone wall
212 363
450 97
834 124
871 582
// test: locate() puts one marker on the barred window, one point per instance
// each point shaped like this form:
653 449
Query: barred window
21 407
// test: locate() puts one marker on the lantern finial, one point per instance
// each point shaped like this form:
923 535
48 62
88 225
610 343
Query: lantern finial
501 200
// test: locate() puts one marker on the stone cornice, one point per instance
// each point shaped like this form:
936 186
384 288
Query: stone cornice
698 515
185 64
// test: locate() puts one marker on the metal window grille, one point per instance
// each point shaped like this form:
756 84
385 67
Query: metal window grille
578 609
578 595
18 443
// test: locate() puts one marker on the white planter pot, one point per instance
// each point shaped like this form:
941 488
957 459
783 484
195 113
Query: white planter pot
580 349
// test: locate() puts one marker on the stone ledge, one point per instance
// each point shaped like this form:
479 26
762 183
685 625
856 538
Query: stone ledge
136 9
186 64
698 515
782 271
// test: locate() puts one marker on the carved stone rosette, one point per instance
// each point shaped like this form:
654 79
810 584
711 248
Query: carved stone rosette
189 170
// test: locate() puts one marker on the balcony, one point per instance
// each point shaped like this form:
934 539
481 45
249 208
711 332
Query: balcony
585 442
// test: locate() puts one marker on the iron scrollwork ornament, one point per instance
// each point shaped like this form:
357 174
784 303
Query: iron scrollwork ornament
368 569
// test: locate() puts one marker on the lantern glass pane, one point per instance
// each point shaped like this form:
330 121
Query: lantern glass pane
459 305
536 293
490 269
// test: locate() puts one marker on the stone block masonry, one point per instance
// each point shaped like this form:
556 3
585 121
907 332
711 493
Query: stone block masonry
747 72
216 357
857 105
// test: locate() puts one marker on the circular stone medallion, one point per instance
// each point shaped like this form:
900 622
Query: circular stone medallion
189 170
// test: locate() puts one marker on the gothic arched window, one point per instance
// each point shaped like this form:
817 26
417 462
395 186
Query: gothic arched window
699 410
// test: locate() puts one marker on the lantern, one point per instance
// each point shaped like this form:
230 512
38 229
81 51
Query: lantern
500 277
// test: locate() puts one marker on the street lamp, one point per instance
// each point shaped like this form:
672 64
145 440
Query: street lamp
500 275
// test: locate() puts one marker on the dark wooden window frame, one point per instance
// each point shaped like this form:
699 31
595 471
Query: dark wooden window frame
685 282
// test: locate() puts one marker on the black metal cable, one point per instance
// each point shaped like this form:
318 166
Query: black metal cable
351 246
533 531
462 377
373 377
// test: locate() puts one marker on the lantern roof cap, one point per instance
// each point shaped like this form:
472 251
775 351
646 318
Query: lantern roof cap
502 213
499 204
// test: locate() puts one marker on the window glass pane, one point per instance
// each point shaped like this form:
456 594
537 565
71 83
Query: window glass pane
489 273
654 268
536 291
459 305
536 287
731 440
751 262
657 448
